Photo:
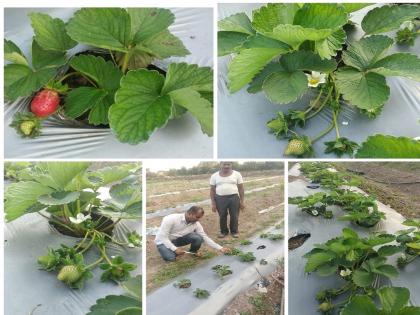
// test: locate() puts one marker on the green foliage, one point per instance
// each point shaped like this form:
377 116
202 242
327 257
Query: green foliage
201 294
101 87
289 50
222 270
389 147
183 283
117 269
246 257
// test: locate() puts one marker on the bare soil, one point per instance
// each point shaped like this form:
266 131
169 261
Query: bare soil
252 302
396 184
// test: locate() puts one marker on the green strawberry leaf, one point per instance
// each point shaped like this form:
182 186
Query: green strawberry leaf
139 107
328 47
257 83
290 83
116 304
229 42
104 73
364 90
352 7
318 259
80 100
63 173
294 35
42 58
393 299
248 64
96 99
400 64
199 107
389 17
321 16
146 22
50 33
285 87
59 198
163 45
239 23
13 53
20 80
266 18
183 75
363 278
382 146
360 305
107 28
364 53
19 197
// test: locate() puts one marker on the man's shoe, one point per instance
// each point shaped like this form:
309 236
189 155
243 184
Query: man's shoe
235 235
222 235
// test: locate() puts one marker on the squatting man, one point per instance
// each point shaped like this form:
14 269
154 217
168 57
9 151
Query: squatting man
180 229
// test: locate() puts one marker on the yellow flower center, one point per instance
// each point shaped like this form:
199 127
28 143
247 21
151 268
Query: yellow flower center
313 80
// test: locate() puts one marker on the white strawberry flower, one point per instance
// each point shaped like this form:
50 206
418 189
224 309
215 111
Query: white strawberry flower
314 212
80 218
315 78
345 273
407 24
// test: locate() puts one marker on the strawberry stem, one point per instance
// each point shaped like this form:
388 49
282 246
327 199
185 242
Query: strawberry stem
337 131
67 76
322 105
322 134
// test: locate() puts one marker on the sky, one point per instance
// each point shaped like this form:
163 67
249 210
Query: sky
164 165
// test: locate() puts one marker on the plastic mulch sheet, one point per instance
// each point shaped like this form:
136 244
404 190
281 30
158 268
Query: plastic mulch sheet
242 117
222 291
180 138
303 287
26 239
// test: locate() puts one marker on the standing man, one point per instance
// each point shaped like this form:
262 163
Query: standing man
180 229
227 197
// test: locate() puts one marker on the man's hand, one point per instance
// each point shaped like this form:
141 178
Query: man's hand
225 250
241 205
179 251
214 208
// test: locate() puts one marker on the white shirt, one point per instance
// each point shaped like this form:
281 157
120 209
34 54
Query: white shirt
174 226
226 185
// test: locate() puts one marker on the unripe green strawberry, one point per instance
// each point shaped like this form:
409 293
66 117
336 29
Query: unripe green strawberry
69 274
47 261
26 127
117 272
325 307
296 147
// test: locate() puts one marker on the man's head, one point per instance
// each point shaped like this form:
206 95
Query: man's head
226 166
194 214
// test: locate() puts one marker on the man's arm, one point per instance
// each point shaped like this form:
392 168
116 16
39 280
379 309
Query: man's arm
213 198
200 231
241 196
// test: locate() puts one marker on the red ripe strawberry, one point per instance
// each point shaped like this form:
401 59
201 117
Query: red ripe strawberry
45 103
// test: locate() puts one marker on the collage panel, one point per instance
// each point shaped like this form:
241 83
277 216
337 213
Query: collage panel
354 238
318 80
214 242
81 80
72 237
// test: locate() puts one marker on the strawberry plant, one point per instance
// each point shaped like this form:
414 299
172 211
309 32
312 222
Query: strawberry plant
246 242
222 270
394 301
114 82
410 241
246 257
315 204
183 283
67 195
272 236
201 294
358 261
288 50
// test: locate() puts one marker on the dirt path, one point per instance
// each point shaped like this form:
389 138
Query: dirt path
393 183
